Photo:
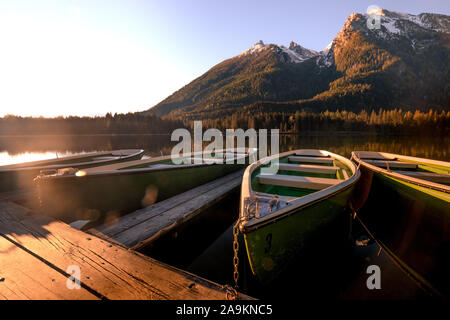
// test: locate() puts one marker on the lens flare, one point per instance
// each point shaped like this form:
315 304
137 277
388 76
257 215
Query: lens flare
80 173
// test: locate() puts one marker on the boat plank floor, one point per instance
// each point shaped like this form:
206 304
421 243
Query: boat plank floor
144 226
107 270
297 181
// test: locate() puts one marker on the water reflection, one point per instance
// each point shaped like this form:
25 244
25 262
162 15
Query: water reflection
7 158
425 147
22 148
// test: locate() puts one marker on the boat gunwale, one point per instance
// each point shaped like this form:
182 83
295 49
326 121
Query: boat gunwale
26 165
114 169
392 174
252 224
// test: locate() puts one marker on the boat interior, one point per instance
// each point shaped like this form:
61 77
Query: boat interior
74 160
166 162
408 166
299 174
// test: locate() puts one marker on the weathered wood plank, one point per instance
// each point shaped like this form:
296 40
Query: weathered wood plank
297 181
108 270
113 229
144 226
392 164
17 195
164 223
311 159
24 277
429 176
308 168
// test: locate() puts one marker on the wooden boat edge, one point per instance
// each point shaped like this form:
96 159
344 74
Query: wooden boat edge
308 200
405 178
26 166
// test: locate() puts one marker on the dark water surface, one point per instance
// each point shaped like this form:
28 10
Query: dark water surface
47 146
333 269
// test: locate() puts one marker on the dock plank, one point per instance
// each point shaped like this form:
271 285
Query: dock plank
144 226
107 270
20 281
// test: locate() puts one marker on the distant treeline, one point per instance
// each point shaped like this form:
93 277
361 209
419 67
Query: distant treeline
382 121
394 121
109 124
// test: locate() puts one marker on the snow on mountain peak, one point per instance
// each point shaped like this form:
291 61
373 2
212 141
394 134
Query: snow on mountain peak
295 53
256 47
402 23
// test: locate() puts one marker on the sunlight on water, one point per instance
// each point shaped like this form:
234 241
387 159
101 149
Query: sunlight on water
6 158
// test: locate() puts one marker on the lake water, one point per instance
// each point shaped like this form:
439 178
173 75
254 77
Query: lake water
28 148
205 248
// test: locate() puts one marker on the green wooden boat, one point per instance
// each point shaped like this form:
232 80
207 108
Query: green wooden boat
429 177
281 214
107 192
21 175
405 203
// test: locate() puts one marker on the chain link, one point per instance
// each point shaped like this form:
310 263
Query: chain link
236 253
231 293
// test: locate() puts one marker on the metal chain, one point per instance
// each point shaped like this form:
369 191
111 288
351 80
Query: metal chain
231 293
236 252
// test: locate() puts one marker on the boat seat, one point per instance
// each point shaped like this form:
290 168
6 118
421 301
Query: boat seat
372 155
344 173
308 168
311 153
323 160
392 164
297 181
429 176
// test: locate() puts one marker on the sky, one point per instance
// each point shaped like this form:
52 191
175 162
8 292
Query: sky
90 57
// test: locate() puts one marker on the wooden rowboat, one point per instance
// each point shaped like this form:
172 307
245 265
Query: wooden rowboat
430 177
281 213
21 175
112 190
405 204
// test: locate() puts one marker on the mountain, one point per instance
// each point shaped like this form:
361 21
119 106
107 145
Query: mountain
401 62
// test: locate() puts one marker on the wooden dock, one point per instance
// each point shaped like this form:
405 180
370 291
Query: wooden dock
38 252
142 227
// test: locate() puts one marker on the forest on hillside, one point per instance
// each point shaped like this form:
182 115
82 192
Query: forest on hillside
131 123
394 121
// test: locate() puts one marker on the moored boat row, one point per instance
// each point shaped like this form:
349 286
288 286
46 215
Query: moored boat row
21 175
113 190
287 199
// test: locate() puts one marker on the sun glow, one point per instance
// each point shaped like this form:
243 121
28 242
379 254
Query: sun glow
6 158
53 64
